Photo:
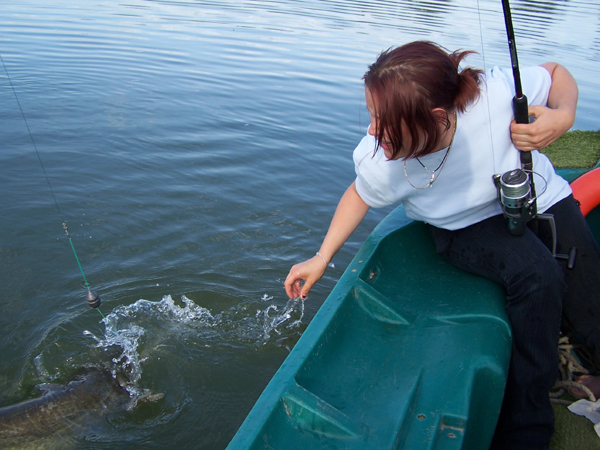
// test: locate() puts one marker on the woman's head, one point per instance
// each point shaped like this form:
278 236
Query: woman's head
411 90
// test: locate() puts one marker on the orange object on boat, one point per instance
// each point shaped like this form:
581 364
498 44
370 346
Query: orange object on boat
586 189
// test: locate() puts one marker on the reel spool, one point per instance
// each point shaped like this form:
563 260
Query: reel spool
514 193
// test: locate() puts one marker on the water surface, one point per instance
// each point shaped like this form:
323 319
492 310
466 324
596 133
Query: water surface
196 150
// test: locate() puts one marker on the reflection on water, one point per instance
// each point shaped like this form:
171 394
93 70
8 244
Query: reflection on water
197 150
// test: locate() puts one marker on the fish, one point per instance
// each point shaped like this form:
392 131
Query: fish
64 412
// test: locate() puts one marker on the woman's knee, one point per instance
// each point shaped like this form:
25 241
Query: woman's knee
540 282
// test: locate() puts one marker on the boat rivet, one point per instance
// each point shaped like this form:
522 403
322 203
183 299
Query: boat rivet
451 435
421 417
372 275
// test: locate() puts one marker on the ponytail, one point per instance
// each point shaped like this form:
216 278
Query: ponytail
468 81
407 83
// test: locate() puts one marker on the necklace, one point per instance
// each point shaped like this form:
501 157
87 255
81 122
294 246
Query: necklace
439 168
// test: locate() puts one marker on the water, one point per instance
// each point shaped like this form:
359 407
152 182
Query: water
197 149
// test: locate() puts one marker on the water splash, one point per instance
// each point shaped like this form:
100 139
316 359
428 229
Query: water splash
273 319
40 368
137 330
128 339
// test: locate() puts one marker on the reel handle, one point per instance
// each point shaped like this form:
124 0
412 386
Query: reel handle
570 258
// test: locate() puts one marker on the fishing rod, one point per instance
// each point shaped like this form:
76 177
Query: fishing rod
91 297
520 106
516 189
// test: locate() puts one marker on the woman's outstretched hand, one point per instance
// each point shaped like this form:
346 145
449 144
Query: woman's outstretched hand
350 211
309 271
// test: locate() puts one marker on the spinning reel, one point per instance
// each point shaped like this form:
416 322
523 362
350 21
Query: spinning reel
517 198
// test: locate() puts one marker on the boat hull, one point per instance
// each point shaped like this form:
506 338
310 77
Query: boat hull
407 352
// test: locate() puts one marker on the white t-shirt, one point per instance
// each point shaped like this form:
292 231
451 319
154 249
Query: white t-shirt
464 192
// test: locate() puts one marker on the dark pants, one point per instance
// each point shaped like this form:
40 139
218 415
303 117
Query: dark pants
539 290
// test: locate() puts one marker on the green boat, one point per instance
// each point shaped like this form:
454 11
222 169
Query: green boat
407 352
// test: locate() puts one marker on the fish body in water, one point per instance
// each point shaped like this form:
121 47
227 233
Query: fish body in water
63 411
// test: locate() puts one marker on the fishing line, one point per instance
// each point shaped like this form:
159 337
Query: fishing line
490 132
91 297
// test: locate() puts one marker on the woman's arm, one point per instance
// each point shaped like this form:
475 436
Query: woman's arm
552 120
349 213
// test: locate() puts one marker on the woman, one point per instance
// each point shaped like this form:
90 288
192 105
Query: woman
437 136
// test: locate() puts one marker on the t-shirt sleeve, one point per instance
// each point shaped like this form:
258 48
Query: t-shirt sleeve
536 82
368 180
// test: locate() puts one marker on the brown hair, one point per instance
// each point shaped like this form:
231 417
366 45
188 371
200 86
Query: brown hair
408 82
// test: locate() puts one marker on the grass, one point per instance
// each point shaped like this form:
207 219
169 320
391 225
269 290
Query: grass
573 432
575 149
